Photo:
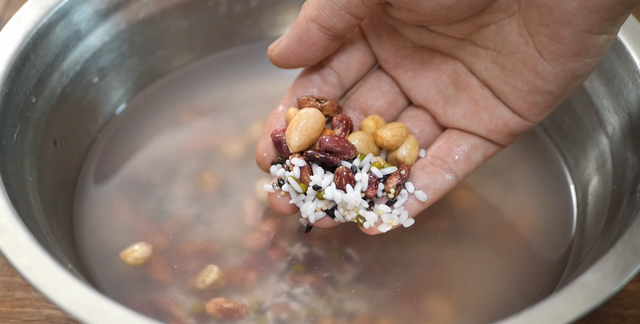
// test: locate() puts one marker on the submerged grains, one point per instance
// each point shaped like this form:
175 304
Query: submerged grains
136 254
211 277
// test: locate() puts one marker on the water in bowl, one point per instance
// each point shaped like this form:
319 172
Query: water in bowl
175 168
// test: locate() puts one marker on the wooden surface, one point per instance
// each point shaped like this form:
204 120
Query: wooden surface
20 303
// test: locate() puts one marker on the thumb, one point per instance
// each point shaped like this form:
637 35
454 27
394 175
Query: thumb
319 30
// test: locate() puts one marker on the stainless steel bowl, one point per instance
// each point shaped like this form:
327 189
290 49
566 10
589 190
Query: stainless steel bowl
50 112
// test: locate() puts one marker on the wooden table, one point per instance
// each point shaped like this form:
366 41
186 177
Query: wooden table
20 303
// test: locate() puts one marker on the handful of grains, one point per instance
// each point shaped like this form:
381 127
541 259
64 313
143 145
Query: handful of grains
349 176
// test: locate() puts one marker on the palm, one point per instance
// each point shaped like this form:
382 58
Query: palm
494 73
467 77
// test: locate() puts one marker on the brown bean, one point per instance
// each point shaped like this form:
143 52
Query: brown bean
325 132
241 278
221 309
338 146
280 142
343 177
328 107
322 159
372 188
396 179
159 270
342 125
199 249
305 173
326 320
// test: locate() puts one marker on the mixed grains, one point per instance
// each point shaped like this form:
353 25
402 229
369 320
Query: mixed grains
349 176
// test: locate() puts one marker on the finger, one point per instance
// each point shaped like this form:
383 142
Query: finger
421 124
378 94
443 85
320 28
452 158
331 78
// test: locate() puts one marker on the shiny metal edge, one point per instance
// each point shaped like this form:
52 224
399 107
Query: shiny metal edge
18 245
609 274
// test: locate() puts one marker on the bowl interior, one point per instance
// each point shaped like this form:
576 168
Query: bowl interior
51 109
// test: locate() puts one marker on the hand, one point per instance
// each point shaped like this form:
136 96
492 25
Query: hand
466 76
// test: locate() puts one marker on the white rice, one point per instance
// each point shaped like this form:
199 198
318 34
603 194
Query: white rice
404 216
420 195
295 185
365 181
337 196
384 227
308 197
328 179
328 193
400 202
365 167
409 222
377 172
384 208
422 153
339 216
409 186
298 162
349 204
312 218
358 189
368 159
311 208
297 198
383 154
384 217
389 170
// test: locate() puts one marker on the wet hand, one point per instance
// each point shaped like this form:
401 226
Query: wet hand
466 76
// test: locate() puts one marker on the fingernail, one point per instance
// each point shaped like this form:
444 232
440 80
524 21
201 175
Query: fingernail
275 44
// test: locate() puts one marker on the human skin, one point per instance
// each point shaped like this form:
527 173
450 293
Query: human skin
466 76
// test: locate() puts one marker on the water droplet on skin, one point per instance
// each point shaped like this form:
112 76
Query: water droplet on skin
33 99
96 79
